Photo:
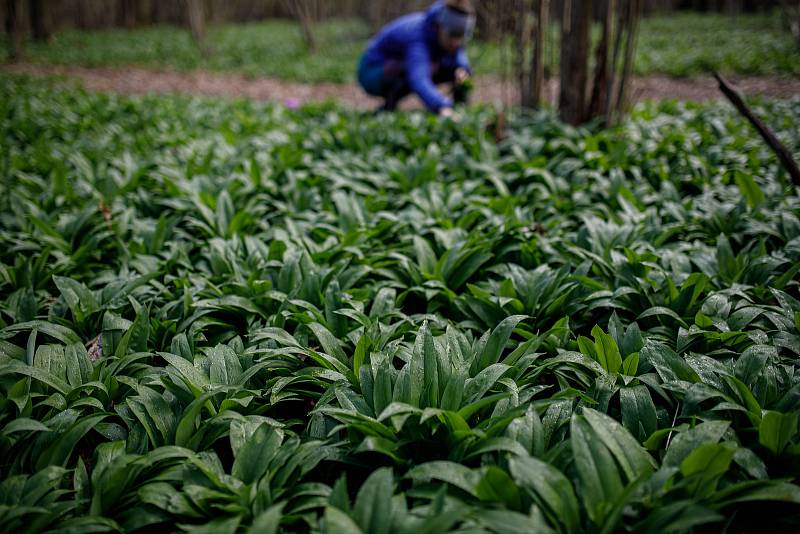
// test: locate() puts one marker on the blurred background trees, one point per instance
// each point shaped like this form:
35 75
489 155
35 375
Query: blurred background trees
494 16
603 95
589 46
791 10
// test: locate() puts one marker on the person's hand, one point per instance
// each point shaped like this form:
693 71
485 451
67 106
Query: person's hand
450 114
462 75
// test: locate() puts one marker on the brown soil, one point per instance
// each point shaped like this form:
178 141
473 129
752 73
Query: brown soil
487 88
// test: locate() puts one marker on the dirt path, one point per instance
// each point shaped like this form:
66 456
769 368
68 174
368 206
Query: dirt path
488 89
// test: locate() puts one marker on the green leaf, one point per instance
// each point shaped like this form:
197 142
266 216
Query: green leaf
136 337
706 464
360 353
668 364
475 388
268 521
728 265
188 421
222 525
78 365
752 361
470 409
425 350
372 510
61 333
192 377
638 411
338 497
329 343
710 459
453 473
510 522
631 364
777 429
338 522
679 516
758 490
661 311
426 259
607 351
50 358
16 367
627 451
633 340
498 340
587 348
164 496
59 452
551 487
226 369
601 484
751 463
495 444
685 442
80 300
253 458
155 414
497 486
24 424
749 188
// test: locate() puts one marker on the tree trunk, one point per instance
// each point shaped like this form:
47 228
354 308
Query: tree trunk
196 14
303 12
574 60
40 20
14 29
608 94
128 13
486 20
374 15
531 23
521 10
603 81
635 15
540 40
622 24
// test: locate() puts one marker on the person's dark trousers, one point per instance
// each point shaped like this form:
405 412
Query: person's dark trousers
395 86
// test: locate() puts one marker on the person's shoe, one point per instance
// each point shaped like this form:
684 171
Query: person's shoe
388 105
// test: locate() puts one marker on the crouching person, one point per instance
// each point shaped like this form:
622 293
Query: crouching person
417 52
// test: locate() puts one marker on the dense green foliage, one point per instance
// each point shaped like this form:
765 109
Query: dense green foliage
567 331
271 48
676 45
687 44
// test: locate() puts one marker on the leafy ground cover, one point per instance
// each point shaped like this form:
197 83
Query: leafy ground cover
681 44
234 317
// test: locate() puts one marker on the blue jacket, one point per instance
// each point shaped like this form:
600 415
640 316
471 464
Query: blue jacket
414 40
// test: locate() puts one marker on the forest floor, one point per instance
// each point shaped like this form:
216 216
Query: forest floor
489 89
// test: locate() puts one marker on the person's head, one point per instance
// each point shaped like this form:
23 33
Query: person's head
456 22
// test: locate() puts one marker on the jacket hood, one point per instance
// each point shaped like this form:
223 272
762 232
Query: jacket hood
431 24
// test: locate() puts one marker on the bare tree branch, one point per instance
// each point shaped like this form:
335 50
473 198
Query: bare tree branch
785 157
